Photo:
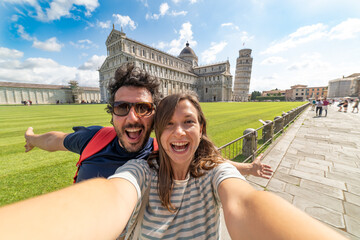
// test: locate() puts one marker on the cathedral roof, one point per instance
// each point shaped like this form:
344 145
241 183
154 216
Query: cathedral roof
187 51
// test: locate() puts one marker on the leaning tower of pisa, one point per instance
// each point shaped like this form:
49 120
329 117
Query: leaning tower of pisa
242 75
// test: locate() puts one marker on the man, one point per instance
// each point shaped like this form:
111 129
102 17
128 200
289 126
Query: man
133 97
319 104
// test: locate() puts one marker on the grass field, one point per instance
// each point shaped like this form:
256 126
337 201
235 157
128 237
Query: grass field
23 175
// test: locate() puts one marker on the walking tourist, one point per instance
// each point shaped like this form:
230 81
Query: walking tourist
345 105
319 104
325 106
356 105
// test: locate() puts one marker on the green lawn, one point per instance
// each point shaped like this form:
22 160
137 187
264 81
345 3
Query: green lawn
23 175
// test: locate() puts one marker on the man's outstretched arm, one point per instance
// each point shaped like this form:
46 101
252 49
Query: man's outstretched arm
256 168
51 141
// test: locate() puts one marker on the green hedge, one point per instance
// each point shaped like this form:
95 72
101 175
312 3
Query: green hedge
272 98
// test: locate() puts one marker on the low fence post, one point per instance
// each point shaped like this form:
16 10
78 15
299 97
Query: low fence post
286 118
268 131
249 142
279 124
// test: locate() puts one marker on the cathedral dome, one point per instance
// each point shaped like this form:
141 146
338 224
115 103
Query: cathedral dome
187 50
189 55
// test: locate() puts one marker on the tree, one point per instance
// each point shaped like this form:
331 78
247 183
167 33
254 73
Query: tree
75 91
254 94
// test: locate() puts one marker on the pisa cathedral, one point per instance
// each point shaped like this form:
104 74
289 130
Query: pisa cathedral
211 82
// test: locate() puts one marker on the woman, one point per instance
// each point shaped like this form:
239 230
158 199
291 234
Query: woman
356 105
186 181
325 106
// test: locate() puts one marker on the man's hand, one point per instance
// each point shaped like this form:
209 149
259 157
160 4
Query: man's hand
259 169
28 134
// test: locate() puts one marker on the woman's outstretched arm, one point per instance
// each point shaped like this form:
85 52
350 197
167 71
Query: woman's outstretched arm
93 209
251 214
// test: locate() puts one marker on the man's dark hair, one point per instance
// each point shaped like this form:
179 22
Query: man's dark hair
129 75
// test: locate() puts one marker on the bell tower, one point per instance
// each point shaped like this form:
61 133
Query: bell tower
242 75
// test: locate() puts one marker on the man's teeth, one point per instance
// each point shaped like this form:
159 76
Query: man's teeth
133 129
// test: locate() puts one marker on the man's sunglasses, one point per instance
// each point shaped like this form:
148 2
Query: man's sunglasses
142 109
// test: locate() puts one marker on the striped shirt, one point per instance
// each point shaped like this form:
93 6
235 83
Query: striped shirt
196 201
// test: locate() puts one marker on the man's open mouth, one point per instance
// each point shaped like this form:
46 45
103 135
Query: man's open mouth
180 146
133 133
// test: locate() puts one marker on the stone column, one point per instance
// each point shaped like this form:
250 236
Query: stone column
268 131
249 142
279 124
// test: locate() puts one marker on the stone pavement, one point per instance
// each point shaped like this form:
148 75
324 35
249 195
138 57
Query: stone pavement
316 167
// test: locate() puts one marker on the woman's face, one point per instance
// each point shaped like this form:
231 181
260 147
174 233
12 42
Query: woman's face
181 136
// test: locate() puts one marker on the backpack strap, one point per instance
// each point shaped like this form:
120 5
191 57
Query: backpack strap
100 140
155 145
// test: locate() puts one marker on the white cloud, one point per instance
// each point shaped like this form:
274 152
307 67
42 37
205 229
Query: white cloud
185 35
144 2
161 45
164 10
94 63
164 7
311 61
23 34
124 21
174 13
45 70
346 30
209 55
57 8
51 45
6 53
302 35
14 18
231 25
103 24
84 44
190 1
273 60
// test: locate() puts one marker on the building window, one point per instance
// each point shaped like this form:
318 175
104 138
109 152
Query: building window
133 49
206 90
144 53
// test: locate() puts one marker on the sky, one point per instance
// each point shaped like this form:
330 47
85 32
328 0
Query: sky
293 42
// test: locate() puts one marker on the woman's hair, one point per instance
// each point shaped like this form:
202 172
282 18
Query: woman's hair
205 158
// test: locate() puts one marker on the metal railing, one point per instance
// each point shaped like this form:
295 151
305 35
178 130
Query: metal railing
246 147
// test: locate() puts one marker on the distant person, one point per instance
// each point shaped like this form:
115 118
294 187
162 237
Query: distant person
313 104
356 106
340 105
319 104
325 106
345 106
133 99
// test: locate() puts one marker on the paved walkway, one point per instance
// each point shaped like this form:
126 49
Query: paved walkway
317 169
